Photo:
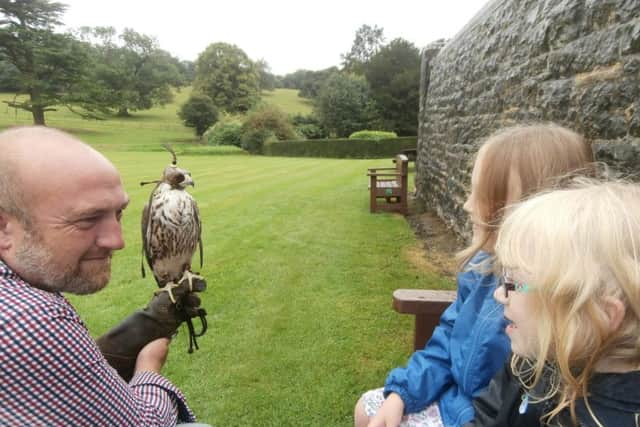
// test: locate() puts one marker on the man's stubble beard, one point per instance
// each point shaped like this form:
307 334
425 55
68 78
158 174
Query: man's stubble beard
33 256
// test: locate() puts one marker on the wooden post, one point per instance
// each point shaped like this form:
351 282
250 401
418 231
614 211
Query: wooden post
372 193
427 306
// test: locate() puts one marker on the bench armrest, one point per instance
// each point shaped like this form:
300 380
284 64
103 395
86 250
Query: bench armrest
427 306
384 174
381 169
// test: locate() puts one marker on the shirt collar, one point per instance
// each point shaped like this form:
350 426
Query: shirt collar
5 271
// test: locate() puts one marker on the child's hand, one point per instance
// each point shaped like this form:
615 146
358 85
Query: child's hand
390 413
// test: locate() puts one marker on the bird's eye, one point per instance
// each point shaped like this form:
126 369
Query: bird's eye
179 178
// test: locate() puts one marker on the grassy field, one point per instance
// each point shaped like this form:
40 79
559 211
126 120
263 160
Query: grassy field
145 130
300 276
288 101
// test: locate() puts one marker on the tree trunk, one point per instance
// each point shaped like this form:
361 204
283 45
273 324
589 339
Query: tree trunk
123 112
37 110
38 116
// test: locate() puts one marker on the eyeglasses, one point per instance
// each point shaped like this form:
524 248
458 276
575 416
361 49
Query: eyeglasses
512 285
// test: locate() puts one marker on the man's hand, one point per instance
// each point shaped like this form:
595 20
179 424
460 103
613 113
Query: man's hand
161 318
152 356
390 413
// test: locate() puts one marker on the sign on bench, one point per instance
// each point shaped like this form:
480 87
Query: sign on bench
388 187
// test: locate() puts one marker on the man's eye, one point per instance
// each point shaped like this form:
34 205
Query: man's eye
119 215
86 222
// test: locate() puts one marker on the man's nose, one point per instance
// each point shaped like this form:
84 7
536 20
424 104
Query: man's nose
110 235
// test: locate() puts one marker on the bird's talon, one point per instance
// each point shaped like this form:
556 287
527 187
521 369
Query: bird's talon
169 289
189 276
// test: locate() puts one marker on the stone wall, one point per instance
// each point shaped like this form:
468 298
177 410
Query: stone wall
573 62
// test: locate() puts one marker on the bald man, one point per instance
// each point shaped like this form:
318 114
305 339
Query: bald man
60 208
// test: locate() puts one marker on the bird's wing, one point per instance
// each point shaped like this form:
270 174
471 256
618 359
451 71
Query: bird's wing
144 225
198 224
145 228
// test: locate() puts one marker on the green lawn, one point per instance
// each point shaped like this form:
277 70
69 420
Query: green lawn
143 130
300 276
288 101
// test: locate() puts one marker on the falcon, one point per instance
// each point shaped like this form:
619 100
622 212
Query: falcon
171 228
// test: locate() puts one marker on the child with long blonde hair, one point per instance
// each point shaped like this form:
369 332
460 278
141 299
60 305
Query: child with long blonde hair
469 346
571 295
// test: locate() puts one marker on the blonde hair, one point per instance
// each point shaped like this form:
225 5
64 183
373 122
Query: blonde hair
527 158
579 247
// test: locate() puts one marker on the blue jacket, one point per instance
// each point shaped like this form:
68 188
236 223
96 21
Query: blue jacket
465 351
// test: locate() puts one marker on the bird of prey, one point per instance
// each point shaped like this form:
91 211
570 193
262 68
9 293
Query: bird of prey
171 232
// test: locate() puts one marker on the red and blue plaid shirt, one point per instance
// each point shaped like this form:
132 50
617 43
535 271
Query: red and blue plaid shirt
52 372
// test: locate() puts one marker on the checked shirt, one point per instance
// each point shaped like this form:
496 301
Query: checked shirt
52 372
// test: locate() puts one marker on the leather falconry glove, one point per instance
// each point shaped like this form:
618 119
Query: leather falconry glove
163 315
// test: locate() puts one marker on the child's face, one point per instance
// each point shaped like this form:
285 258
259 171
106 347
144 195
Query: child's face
514 294
472 206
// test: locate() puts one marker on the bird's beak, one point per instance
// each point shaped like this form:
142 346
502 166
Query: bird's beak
188 181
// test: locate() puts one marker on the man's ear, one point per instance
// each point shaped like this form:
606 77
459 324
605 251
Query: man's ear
615 310
6 227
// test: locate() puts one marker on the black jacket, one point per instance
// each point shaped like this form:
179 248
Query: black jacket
614 398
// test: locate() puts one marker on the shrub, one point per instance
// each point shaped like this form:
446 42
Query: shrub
265 122
373 134
254 139
225 132
309 126
198 112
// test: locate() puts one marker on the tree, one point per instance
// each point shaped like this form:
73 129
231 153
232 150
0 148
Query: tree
394 77
188 71
264 123
227 75
314 81
367 42
9 77
52 67
308 82
268 80
131 73
344 105
199 113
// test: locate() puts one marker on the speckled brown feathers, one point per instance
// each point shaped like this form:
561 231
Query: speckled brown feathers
171 228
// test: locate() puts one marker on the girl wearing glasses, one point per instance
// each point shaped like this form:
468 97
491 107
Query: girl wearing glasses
571 298
469 346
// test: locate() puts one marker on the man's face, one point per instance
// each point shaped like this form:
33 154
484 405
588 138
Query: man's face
72 235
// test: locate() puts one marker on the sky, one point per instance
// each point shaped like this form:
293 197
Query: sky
288 34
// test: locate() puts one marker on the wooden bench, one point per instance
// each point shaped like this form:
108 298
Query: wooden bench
427 306
389 184
411 153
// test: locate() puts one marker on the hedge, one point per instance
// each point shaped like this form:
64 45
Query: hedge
339 148
373 134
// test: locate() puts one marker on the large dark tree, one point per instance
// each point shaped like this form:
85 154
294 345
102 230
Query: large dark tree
344 105
130 71
51 66
9 77
199 113
268 80
188 71
394 77
308 82
225 73
366 43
